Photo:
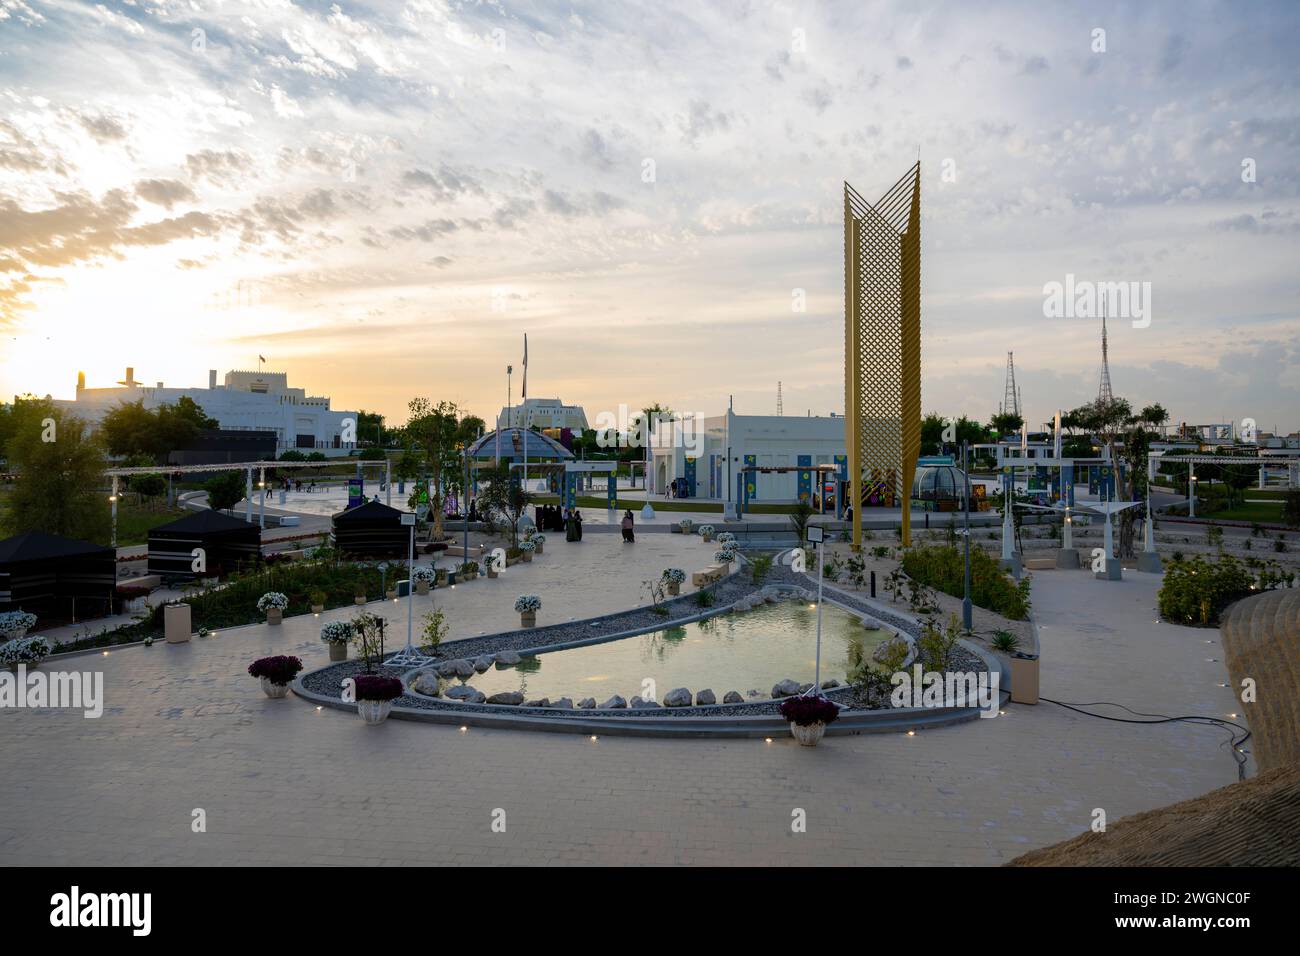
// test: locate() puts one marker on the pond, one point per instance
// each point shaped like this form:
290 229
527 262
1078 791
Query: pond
741 651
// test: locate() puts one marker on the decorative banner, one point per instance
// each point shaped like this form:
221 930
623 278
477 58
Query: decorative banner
356 492
570 489
690 477
751 479
805 479
611 490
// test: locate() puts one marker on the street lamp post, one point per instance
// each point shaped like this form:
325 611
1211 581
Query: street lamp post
967 614
817 535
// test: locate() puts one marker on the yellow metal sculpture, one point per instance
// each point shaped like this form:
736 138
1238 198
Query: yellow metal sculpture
882 343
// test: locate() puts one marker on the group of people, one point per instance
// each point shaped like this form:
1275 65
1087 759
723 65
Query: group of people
555 518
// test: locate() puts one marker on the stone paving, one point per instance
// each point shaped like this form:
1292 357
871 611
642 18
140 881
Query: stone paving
280 782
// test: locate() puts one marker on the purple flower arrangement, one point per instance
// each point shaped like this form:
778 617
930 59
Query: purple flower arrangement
806 711
374 687
278 670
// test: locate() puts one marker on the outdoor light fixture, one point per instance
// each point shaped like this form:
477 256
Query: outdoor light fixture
463 729
594 737
911 733
767 740
112 497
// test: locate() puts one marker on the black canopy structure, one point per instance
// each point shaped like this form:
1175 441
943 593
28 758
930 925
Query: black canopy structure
227 544
371 530
55 577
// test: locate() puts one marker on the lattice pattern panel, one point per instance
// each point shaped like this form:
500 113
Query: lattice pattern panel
882 339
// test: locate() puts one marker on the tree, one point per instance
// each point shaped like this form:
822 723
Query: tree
226 490
438 432
131 430
505 497
60 467
1005 423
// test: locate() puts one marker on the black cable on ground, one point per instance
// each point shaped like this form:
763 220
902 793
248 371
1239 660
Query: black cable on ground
1236 742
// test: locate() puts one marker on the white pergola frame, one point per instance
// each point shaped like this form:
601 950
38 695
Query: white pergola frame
247 467
1155 459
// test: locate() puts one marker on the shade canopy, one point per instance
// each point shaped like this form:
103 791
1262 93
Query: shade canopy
45 574
516 443
227 543
371 529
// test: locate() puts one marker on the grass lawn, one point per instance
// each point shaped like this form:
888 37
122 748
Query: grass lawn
135 521
1263 512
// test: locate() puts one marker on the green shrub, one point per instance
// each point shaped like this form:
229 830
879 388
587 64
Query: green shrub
1196 590
942 568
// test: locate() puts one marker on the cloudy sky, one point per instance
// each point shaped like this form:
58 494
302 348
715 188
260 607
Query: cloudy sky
382 197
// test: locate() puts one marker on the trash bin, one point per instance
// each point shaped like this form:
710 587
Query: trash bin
1024 678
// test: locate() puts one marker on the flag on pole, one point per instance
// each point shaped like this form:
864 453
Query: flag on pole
261 358
523 394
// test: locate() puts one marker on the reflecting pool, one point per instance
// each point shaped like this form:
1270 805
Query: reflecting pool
741 651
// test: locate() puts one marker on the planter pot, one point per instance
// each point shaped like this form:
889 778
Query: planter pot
338 651
274 690
528 618
541 546
374 711
807 735
707 538
359 599
492 570
274 615
469 575
527 555
673 587
317 608
421 587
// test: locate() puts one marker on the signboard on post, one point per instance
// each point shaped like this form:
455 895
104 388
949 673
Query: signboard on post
816 534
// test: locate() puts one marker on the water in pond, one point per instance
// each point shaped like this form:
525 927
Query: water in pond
750 650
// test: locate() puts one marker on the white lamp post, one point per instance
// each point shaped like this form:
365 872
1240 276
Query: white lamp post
816 536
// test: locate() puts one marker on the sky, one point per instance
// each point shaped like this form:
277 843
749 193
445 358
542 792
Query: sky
382 198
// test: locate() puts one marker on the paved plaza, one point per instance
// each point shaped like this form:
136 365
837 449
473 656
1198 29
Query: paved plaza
281 782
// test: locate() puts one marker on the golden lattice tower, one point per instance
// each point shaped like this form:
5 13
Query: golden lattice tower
882 345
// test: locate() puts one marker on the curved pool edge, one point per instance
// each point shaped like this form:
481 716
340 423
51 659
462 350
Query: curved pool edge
502 717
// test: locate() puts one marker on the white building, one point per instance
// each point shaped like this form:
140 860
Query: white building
543 413
710 453
258 401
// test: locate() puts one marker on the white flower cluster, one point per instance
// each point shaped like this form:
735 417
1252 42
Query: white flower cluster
528 544
16 623
336 632
528 602
725 556
272 599
424 573
706 529
727 539
24 650
674 575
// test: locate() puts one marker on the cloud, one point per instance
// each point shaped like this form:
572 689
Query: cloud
164 192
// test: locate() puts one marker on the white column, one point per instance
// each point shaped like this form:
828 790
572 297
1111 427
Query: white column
248 496
1191 489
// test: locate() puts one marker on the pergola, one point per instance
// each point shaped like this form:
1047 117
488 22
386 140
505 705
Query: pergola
1191 461
248 467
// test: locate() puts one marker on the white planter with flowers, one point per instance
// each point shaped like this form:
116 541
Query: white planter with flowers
273 604
528 605
672 579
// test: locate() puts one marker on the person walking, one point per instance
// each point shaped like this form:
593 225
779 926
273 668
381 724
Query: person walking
627 525
577 520
570 525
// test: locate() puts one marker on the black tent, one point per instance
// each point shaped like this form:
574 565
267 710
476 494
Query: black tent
227 543
371 530
54 577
